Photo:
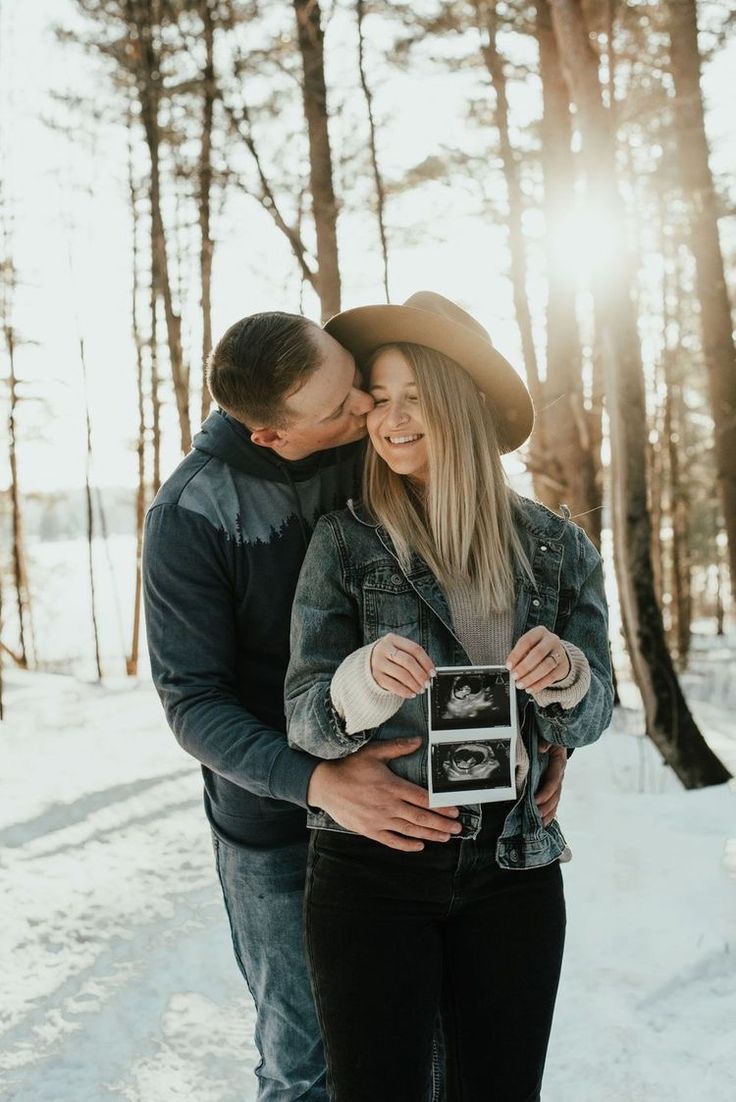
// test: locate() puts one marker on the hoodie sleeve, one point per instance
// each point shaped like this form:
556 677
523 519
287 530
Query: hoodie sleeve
190 622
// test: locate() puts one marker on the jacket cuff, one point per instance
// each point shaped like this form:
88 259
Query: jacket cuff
357 698
570 691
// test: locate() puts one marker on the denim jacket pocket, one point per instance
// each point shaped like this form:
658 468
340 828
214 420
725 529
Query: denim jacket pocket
389 603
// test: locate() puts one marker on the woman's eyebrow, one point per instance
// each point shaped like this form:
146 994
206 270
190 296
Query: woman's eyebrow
382 386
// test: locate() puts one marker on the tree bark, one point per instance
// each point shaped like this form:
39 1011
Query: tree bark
570 432
715 309
324 205
669 722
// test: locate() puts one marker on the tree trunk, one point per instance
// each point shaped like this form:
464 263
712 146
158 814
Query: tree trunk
378 179
131 659
20 575
324 205
656 489
678 441
668 720
715 309
681 602
148 92
486 21
89 511
720 609
206 248
571 432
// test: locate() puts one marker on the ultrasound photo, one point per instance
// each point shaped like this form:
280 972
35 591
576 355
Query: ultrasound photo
472 698
473 732
479 765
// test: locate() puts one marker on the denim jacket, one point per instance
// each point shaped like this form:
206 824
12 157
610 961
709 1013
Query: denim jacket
352 590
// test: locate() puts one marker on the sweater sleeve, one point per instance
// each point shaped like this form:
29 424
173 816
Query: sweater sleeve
192 642
357 697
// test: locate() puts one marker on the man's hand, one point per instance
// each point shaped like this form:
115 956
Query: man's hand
362 794
548 796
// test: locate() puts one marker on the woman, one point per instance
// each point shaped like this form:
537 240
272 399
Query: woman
442 565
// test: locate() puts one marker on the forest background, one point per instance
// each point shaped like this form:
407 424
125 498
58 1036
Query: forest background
564 170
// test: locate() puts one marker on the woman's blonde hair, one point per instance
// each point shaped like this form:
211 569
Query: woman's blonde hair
462 526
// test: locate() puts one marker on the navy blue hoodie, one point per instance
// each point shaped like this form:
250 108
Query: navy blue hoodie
224 544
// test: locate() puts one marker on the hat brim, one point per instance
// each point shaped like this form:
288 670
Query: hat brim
365 328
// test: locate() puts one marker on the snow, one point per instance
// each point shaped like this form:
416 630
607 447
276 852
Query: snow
119 979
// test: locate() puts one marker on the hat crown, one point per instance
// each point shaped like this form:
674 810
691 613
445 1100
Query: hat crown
442 307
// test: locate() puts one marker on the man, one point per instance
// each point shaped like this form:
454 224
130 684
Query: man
225 539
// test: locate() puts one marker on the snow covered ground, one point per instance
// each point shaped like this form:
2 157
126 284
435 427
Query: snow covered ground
118 978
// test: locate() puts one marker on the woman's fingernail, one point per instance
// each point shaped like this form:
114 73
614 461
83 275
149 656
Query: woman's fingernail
520 685
433 673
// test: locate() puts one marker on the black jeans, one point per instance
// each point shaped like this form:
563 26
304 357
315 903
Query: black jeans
392 937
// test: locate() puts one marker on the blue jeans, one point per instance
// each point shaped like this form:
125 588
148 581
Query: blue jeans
263 890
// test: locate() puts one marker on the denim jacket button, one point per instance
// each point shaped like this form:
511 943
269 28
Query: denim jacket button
395 578
514 855
535 602
543 547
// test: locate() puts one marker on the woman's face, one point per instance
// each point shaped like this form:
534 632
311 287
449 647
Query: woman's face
395 424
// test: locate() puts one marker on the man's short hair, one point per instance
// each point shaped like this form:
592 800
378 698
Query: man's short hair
260 360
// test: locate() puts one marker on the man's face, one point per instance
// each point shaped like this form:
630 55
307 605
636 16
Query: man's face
329 408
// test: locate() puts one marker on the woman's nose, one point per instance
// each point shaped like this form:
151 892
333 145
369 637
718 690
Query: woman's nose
398 415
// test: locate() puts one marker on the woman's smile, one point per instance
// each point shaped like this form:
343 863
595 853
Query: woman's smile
402 441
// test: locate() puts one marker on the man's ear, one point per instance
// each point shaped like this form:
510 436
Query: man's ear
268 438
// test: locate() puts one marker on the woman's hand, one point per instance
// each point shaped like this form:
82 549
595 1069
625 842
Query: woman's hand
538 660
400 665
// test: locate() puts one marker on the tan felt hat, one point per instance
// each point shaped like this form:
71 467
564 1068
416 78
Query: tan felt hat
431 320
